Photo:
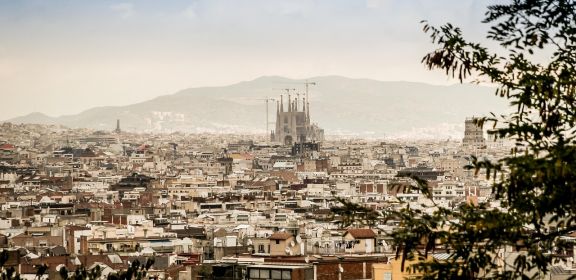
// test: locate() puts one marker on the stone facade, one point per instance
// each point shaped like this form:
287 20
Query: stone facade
293 125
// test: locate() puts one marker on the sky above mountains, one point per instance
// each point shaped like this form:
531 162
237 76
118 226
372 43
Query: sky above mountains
63 56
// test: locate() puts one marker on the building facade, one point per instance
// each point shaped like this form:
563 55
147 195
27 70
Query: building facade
473 134
293 123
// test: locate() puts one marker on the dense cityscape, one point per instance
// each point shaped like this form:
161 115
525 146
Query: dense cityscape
221 206
287 139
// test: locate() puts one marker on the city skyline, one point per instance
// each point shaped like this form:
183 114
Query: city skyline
287 139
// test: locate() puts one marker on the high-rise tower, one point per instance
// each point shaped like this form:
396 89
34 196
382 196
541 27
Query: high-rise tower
473 134
118 130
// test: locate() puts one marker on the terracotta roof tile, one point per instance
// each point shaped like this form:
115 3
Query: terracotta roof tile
361 233
280 235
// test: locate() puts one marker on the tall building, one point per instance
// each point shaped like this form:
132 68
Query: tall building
118 130
473 134
293 123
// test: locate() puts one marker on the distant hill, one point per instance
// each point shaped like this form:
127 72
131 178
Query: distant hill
36 117
339 105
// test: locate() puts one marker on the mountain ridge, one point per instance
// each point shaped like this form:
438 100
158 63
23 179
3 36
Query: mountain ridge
340 105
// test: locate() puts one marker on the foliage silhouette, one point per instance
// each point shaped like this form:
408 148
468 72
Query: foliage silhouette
7 272
536 183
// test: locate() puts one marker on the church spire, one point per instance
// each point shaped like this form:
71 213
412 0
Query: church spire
308 110
296 102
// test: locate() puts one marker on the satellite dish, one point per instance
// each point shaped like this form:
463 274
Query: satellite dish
340 268
249 242
307 259
386 246
298 239
292 244
290 252
287 250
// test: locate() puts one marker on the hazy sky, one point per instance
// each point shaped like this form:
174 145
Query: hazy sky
65 56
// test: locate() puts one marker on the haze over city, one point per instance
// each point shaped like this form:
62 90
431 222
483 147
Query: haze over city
63 57
287 139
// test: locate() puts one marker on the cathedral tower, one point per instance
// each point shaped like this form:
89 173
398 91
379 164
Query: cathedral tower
293 125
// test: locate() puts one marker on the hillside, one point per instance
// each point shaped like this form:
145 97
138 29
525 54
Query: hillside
339 105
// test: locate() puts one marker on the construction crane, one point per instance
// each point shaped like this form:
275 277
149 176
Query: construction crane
306 83
267 99
288 90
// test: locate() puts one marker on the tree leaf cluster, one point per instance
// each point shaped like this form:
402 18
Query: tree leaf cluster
518 232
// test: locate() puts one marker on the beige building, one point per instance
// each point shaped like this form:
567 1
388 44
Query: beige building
473 134
393 270
284 244
360 240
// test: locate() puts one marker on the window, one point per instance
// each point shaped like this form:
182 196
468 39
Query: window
277 241
264 273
